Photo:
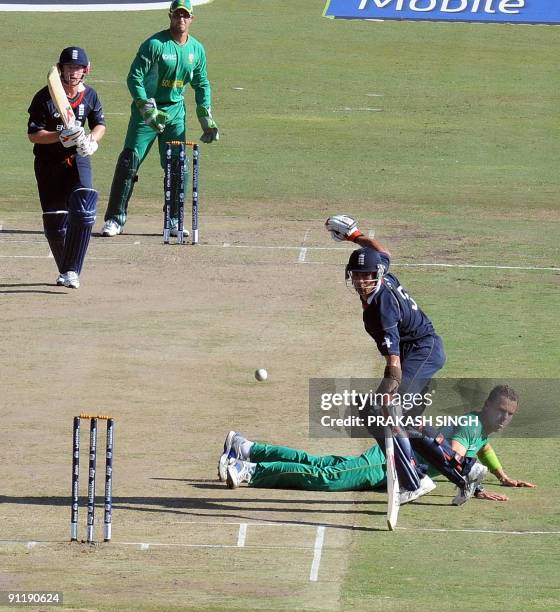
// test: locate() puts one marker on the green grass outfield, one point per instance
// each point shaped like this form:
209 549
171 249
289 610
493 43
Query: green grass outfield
457 164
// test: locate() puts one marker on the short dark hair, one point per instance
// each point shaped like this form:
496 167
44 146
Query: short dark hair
502 391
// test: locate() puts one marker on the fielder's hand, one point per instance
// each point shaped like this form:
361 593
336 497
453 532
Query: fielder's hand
209 127
72 136
512 482
491 496
88 146
342 227
153 117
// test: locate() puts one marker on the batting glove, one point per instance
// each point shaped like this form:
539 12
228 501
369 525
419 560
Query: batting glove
209 127
87 147
72 136
342 227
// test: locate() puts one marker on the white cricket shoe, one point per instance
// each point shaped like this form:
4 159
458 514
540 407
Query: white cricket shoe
60 280
426 485
238 472
475 477
232 452
111 228
71 280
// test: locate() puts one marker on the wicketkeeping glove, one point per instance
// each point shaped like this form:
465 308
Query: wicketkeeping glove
153 117
72 136
342 227
88 146
208 125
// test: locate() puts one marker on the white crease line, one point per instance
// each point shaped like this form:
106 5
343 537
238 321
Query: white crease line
486 266
299 248
492 531
279 524
29 544
348 109
303 250
317 551
242 536
371 233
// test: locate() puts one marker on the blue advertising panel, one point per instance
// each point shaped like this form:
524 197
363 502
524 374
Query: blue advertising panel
493 11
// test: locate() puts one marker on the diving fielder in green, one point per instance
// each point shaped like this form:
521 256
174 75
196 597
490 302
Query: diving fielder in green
165 64
281 467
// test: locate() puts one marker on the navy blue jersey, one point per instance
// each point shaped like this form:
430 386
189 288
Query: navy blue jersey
392 317
44 116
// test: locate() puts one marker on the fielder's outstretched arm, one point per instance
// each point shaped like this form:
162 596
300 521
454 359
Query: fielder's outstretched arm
489 458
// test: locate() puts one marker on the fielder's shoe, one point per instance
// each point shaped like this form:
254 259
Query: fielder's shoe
111 228
238 472
426 485
475 477
60 280
232 450
71 280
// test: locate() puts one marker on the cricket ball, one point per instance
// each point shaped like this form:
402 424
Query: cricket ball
261 374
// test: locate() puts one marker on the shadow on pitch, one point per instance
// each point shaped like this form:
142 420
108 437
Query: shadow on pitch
230 507
130 234
21 231
4 288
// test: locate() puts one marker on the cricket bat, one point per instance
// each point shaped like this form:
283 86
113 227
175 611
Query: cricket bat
58 96
392 482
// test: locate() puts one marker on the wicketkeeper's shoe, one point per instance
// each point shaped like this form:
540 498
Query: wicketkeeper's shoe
60 280
426 485
71 280
233 450
474 479
111 228
238 472
174 231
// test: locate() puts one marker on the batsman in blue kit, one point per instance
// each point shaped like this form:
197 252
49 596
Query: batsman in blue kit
63 166
404 335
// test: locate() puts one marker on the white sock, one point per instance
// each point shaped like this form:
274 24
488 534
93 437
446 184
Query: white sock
245 450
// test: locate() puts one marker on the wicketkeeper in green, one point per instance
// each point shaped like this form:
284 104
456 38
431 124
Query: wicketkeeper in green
165 64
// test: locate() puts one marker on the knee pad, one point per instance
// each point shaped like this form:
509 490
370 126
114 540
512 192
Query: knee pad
82 206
